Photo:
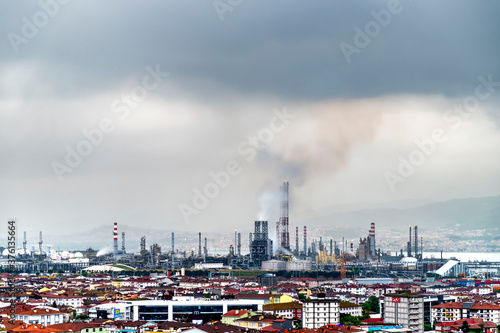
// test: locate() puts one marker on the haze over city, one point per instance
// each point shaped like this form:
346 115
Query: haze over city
188 116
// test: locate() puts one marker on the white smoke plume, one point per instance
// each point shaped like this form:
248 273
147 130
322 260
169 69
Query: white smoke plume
103 251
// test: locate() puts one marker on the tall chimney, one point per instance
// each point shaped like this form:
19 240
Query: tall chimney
297 251
239 244
235 239
371 236
173 239
284 238
123 242
416 241
199 244
422 248
409 245
250 240
115 239
305 241
40 243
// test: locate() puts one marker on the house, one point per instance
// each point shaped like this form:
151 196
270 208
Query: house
351 309
40 316
473 324
215 328
289 310
228 318
255 322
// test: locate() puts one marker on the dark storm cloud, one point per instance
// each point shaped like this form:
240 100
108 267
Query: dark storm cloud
226 78
283 48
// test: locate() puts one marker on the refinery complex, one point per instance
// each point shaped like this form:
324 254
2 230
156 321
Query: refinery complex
266 251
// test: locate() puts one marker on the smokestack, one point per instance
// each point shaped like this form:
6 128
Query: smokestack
206 248
173 239
235 238
239 244
305 241
284 237
40 243
24 243
250 240
115 239
123 243
422 248
416 242
199 244
409 245
371 236
297 251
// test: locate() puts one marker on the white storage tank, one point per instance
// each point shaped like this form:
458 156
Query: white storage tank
273 265
299 265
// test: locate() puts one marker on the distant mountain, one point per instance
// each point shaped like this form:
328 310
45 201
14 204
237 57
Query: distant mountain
467 214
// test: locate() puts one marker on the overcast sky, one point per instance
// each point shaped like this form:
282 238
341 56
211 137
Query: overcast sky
336 92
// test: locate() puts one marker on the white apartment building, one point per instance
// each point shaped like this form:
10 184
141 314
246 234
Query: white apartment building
319 312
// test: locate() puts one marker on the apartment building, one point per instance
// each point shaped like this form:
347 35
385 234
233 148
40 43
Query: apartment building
453 311
319 312
406 309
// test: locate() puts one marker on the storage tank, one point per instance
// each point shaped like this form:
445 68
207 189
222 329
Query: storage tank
273 265
299 265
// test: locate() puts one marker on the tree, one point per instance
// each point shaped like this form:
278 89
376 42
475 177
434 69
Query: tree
82 317
465 326
374 303
346 319
427 327
371 305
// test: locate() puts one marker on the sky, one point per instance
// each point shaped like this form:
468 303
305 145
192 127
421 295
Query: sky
188 115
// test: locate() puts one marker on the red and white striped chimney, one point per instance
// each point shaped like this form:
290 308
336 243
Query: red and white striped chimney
115 239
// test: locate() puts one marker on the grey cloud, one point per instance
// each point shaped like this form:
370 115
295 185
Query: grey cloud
280 48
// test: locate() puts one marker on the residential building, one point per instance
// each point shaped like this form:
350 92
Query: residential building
351 309
289 310
228 318
40 316
406 309
320 312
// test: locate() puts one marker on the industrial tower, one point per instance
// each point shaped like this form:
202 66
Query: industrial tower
282 226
